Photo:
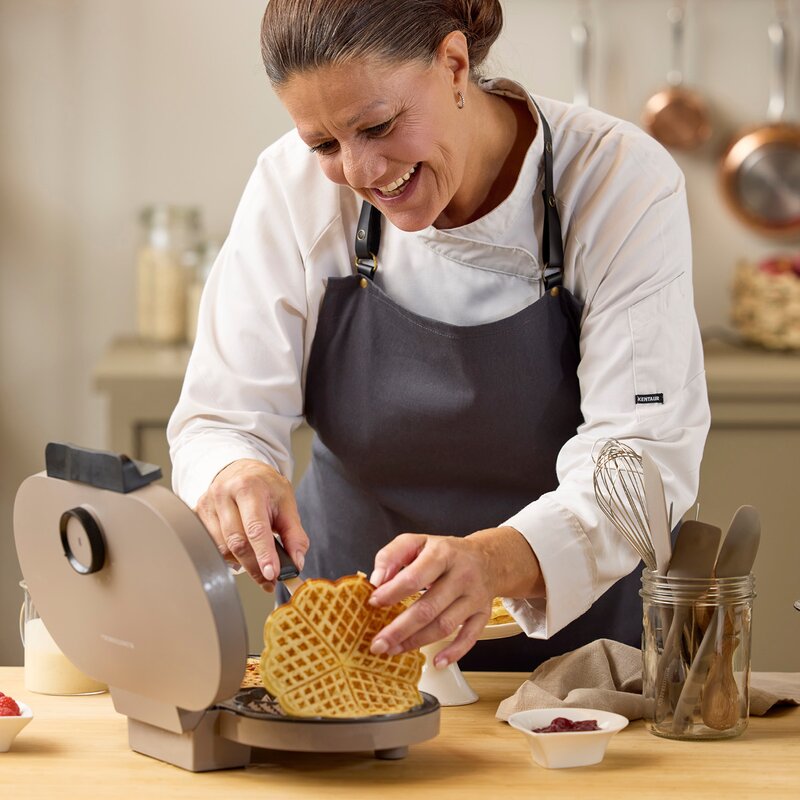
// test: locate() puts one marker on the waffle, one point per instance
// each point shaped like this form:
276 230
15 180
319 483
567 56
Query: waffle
252 673
316 659
498 616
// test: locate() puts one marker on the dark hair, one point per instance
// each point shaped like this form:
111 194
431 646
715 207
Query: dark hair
297 35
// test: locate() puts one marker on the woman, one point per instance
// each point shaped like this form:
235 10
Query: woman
521 290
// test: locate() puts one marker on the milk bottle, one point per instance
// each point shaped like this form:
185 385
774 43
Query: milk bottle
47 669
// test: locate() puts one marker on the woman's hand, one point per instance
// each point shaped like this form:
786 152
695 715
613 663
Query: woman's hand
461 578
246 503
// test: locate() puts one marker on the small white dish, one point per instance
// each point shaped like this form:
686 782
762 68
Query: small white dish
11 726
570 748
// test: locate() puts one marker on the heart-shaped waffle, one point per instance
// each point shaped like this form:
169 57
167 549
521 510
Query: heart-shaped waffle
316 659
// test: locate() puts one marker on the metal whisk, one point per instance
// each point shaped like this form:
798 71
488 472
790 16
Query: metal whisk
619 489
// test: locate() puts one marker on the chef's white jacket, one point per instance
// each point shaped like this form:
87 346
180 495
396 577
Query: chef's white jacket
628 259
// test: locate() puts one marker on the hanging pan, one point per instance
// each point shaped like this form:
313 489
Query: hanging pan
581 41
676 116
760 171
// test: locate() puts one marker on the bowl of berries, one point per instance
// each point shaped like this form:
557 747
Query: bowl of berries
567 737
14 717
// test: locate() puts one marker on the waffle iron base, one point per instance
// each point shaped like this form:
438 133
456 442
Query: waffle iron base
226 733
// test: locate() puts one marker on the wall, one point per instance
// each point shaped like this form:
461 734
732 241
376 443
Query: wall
108 105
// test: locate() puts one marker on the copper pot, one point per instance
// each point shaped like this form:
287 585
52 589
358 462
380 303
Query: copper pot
760 170
676 116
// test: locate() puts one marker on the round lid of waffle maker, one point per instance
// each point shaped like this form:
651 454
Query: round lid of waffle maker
158 616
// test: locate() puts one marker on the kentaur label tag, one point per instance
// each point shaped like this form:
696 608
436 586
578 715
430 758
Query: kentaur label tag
646 399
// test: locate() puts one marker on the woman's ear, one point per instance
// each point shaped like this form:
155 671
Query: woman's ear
453 55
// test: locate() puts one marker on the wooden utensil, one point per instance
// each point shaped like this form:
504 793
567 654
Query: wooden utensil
676 116
720 704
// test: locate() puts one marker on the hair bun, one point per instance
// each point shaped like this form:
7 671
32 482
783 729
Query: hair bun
481 23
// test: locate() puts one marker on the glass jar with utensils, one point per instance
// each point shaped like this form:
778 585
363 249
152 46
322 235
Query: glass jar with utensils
696 654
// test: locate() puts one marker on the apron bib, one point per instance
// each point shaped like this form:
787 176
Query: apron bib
426 427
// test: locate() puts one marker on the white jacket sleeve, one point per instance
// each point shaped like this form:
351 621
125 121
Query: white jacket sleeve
639 336
242 393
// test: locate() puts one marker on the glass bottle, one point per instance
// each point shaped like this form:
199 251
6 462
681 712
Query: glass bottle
208 253
166 262
696 655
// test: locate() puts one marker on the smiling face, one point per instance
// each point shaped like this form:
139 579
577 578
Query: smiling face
392 132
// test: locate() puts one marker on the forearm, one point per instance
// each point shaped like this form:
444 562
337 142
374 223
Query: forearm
511 563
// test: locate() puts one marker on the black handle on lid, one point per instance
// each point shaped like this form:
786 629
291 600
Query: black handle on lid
98 468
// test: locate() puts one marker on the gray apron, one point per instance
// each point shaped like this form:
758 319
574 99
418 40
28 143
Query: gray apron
426 427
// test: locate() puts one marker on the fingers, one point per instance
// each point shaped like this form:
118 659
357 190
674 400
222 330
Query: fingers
430 619
208 516
246 503
389 560
463 643
235 534
457 600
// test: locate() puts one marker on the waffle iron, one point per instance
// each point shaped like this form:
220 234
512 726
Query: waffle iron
135 593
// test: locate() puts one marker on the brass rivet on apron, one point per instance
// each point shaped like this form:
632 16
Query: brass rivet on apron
549 147
361 235
363 283
554 291
552 201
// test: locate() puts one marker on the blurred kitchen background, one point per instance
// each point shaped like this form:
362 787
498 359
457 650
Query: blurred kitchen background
111 106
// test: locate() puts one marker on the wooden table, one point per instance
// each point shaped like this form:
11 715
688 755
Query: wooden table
76 747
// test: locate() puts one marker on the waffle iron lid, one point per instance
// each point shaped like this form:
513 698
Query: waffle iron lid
127 580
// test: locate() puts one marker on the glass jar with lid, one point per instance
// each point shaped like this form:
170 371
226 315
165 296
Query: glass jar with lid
166 263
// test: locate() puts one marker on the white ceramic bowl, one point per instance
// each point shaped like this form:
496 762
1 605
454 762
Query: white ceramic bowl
11 726
571 748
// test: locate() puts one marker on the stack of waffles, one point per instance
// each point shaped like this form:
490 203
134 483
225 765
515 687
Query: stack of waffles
498 615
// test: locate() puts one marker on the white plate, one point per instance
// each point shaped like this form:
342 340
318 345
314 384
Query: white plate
501 631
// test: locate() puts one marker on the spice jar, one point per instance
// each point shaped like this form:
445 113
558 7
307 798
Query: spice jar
166 261
696 655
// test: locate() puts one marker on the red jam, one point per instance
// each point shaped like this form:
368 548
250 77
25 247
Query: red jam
563 725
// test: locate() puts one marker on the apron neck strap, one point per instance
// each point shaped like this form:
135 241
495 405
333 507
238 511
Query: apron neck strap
552 243
368 232
368 240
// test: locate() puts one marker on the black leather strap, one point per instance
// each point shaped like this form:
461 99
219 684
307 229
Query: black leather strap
552 243
368 240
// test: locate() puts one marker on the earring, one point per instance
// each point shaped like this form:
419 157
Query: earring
460 101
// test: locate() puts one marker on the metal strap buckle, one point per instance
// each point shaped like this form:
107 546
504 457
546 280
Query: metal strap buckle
553 277
365 268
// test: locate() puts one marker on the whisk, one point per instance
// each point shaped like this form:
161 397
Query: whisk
619 489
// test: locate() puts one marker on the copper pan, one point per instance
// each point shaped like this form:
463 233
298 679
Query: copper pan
676 116
760 170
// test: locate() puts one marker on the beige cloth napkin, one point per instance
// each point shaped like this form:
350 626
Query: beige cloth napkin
608 675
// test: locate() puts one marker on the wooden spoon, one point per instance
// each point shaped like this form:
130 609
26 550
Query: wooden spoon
720 703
